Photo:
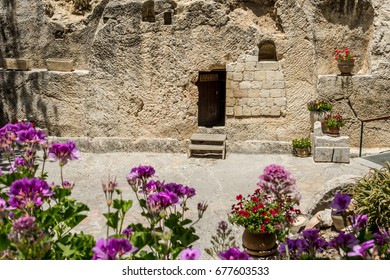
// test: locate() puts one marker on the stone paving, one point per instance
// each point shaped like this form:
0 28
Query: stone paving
216 181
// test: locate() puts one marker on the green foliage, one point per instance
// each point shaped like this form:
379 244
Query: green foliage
301 143
319 106
372 197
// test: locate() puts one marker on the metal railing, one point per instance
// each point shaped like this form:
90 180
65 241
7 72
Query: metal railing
362 126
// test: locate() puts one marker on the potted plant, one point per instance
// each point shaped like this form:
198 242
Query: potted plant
333 123
346 61
301 147
268 212
318 109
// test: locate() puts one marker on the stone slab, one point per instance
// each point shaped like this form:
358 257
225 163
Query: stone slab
331 154
63 65
23 64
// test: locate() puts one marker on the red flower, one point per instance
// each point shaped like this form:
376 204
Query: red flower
254 209
239 197
273 212
266 221
262 228
254 199
243 213
298 211
259 206
264 214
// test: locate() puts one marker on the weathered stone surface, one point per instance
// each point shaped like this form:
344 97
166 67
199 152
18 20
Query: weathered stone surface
331 154
142 75
328 141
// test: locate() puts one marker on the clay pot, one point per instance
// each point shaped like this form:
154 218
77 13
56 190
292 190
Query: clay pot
334 131
302 152
259 244
346 67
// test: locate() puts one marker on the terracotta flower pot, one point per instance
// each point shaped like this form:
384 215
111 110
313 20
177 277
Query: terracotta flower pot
334 131
302 152
259 244
346 67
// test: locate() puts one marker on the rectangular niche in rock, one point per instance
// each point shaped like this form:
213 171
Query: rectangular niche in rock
59 64
23 64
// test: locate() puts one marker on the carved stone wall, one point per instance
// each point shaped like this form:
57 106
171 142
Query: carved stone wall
137 78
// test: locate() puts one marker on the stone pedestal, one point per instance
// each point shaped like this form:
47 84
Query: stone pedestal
63 65
329 149
23 64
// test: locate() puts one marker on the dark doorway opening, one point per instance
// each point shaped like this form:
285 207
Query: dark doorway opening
212 98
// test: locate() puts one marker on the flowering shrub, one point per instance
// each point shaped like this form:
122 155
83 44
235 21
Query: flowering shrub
319 106
344 55
36 218
167 232
271 207
357 242
334 121
301 143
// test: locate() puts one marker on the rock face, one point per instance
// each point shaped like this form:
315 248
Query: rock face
138 66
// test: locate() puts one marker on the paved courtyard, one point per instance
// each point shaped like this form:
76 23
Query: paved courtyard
216 181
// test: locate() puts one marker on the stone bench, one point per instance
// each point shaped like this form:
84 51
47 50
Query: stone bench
329 149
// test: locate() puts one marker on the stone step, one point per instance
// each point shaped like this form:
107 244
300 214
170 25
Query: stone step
203 137
206 148
212 130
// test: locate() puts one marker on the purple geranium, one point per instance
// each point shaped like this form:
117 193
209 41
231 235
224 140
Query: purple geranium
64 152
233 254
180 190
340 203
31 135
127 232
162 200
111 248
28 193
18 162
142 171
24 224
190 254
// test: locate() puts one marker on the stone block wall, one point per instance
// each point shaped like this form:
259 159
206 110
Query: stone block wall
255 88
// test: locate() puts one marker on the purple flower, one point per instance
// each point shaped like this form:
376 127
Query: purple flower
140 172
295 247
2 205
28 193
111 248
162 200
343 241
361 250
19 162
340 203
233 254
127 232
382 237
311 235
222 225
67 185
276 173
64 152
24 224
190 254
359 222
180 190
154 186
31 135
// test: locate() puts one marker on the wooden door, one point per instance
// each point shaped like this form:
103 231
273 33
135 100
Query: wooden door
212 95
